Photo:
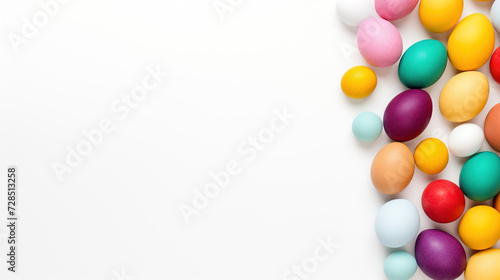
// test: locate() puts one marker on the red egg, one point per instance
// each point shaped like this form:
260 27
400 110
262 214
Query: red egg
443 201
495 65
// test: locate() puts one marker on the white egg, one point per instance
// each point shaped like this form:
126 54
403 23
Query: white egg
353 12
495 15
466 140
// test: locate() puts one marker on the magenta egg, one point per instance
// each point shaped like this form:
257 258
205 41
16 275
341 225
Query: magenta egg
440 255
407 115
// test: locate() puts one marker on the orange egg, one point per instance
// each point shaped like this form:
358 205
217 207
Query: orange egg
492 127
392 168
496 203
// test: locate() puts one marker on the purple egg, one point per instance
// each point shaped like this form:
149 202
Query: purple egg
407 115
439 255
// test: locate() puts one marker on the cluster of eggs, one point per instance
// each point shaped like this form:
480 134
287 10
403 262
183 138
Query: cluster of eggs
470 46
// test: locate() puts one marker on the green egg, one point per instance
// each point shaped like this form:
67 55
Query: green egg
480 176
422 64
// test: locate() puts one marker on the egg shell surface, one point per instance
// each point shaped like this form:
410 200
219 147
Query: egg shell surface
484 265
496 202
495 65
492 127
495 15
394 9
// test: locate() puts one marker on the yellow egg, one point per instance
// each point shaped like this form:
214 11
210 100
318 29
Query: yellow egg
471 42
464 96
479 228
440 15
484 265
431 156
358 82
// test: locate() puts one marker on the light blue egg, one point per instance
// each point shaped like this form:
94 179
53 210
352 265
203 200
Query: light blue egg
400 266
495 15
397 223
367 126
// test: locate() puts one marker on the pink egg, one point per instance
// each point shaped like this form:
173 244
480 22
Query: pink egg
394 9
379 42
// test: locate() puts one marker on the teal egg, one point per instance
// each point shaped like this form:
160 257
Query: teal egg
367 126
400 266
422 64
480 176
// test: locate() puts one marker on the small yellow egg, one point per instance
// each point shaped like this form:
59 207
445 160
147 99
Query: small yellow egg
358 82
431 156
479 228
440 15
484 265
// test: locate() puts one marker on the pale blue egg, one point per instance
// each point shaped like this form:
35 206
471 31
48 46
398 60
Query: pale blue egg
400 266
397 223
367 126
495 15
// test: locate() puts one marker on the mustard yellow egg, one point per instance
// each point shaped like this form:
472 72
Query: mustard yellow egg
358 82
484 265
440 15
431 156
464 96
479 228
471 42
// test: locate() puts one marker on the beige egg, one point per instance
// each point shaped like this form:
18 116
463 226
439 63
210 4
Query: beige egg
464 96
392 168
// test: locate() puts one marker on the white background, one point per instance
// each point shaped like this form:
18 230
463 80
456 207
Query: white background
116 215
